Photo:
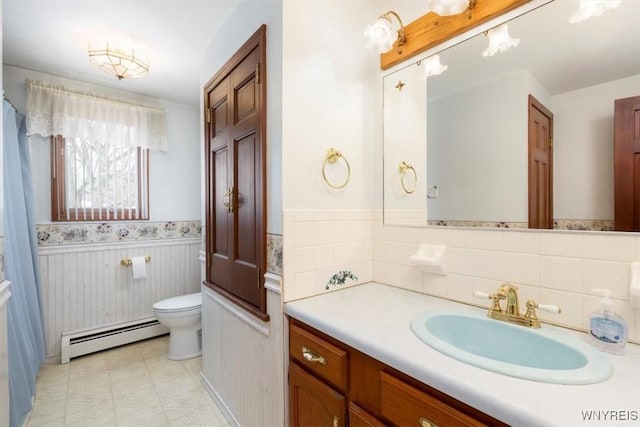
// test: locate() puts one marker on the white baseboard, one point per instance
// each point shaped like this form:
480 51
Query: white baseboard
233 421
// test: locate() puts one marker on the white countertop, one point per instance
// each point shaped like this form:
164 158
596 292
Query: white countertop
374 319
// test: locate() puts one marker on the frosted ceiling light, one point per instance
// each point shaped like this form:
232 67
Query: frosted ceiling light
589 8
381 33
499 40
433 67
122 62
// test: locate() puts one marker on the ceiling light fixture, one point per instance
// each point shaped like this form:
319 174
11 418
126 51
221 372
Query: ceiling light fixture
120 61
589 8
499 40
381 33
433 67
451 7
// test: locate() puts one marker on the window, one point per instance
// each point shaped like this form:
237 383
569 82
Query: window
98 182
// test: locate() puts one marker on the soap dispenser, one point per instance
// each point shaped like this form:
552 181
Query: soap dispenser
607 330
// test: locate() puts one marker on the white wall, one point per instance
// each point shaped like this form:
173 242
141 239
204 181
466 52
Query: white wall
174 181
405 139
328 76
478 152
240 25
583 149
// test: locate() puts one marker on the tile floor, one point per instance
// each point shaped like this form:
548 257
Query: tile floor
132 385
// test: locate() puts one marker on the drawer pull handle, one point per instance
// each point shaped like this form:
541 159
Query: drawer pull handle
312 356
336 422
424 422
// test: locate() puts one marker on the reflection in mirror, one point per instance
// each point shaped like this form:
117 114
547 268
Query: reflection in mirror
477 164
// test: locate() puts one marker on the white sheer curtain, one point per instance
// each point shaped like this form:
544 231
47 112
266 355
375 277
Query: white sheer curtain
73 114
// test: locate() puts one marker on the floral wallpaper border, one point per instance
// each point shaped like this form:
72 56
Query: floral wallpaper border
558 224
105 232
274 254
126 231
493 224
583 224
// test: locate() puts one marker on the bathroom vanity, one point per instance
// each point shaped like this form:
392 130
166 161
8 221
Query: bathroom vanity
328 378
352 356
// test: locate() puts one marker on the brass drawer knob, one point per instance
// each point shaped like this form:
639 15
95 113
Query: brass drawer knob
312 356
424 422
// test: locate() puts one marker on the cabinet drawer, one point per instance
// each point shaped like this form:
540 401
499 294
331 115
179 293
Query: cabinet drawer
405 405
320 356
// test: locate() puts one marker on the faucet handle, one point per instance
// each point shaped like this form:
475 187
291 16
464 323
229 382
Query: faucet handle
531 309
480 294
495 299
550 308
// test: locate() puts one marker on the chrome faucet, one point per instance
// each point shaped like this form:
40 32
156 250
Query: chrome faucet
512 314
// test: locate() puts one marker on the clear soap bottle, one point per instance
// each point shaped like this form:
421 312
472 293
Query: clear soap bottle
608 331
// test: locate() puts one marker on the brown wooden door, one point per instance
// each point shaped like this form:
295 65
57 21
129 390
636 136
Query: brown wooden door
313 403
627 164
540 165
236 178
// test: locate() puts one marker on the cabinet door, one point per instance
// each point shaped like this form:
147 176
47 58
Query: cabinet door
313 403
358 417
235 150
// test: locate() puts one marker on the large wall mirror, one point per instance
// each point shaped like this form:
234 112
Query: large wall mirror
468 135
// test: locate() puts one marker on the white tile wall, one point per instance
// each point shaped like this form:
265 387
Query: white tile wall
557 268
317 244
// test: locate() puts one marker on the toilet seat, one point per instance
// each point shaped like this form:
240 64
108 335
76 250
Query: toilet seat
180 303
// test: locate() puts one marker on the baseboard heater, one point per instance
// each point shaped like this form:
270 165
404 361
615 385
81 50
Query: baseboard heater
78 343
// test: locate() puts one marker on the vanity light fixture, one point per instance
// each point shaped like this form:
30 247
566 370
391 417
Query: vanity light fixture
382 35
589 8
122 62
433 67
499 40
451 7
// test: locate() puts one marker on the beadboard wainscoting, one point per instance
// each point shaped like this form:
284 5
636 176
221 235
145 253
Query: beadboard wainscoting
85 286
4 360
242 366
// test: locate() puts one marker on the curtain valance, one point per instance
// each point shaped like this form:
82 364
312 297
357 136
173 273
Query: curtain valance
55 111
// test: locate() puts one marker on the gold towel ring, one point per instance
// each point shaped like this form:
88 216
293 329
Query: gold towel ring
404 167
332 157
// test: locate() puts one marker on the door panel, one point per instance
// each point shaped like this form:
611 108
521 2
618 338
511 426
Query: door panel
247 168
313 403
540 165
626 164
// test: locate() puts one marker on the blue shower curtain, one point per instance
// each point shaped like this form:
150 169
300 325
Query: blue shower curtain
26 346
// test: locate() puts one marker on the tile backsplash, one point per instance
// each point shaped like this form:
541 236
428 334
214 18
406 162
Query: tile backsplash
558 268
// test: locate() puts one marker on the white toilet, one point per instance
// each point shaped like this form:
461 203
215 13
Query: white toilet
183 316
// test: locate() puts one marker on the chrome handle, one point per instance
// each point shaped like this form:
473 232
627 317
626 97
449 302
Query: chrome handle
425 422
312 356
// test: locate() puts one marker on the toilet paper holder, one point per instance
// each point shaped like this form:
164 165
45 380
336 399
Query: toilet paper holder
126 262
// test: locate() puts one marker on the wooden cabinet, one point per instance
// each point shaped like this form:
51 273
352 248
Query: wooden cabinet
312 402
235 159
332 384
